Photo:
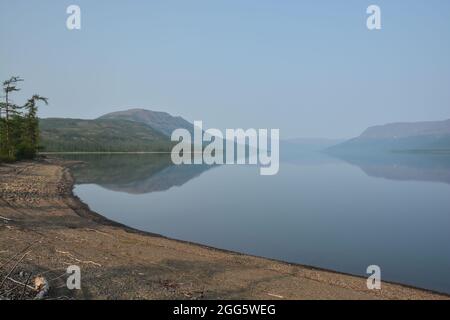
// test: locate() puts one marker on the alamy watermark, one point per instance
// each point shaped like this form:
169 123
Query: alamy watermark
374 280
251 146
374 20
74 279
73 21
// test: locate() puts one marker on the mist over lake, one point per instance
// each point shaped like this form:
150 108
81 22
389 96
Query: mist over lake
344 214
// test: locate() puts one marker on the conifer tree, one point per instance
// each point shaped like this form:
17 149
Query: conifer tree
19 125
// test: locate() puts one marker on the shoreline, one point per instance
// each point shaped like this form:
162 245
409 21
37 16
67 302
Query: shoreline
148 265
104 220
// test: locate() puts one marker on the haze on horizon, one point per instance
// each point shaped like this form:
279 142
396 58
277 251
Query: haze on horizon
309 68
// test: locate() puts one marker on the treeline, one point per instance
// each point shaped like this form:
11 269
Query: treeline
59 145
19 125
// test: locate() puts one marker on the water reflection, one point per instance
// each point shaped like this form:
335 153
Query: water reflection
133 174
403 166
319 210
145 173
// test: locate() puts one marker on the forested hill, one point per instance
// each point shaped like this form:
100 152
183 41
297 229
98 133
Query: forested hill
160 121
100 135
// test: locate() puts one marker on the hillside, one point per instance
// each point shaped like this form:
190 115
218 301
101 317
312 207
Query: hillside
159 121
101 135
431 136
406 130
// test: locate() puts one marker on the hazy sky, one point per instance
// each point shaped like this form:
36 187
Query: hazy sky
310 68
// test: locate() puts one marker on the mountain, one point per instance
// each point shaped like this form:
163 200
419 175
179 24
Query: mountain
159 121
313 144
406 130
131 130
430 136
100 135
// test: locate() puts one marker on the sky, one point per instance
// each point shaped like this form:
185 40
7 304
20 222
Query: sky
308 68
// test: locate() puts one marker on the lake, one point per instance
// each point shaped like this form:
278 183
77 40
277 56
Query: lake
342 214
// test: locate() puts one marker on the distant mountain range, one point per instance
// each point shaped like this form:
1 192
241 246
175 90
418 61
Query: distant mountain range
143 130
310 144
408 129
431 136
132 130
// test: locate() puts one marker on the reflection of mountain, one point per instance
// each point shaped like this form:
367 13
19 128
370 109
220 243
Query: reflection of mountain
300 156
162 180
135 173
403 166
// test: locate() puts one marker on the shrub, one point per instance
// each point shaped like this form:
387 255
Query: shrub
25 151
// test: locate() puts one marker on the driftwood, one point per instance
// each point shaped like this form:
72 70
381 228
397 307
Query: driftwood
78 260
16 287
18 254
25 285
6 219
13 268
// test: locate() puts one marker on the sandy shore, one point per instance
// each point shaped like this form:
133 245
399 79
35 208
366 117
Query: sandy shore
38 208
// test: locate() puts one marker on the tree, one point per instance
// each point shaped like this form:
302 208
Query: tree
31 123
9 86
19 125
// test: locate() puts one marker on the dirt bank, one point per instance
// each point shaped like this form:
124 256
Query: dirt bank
41 221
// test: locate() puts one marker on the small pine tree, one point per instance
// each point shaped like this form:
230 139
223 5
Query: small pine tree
9 109
19 131
31 125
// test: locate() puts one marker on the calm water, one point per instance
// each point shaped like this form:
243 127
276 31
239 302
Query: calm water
340 214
